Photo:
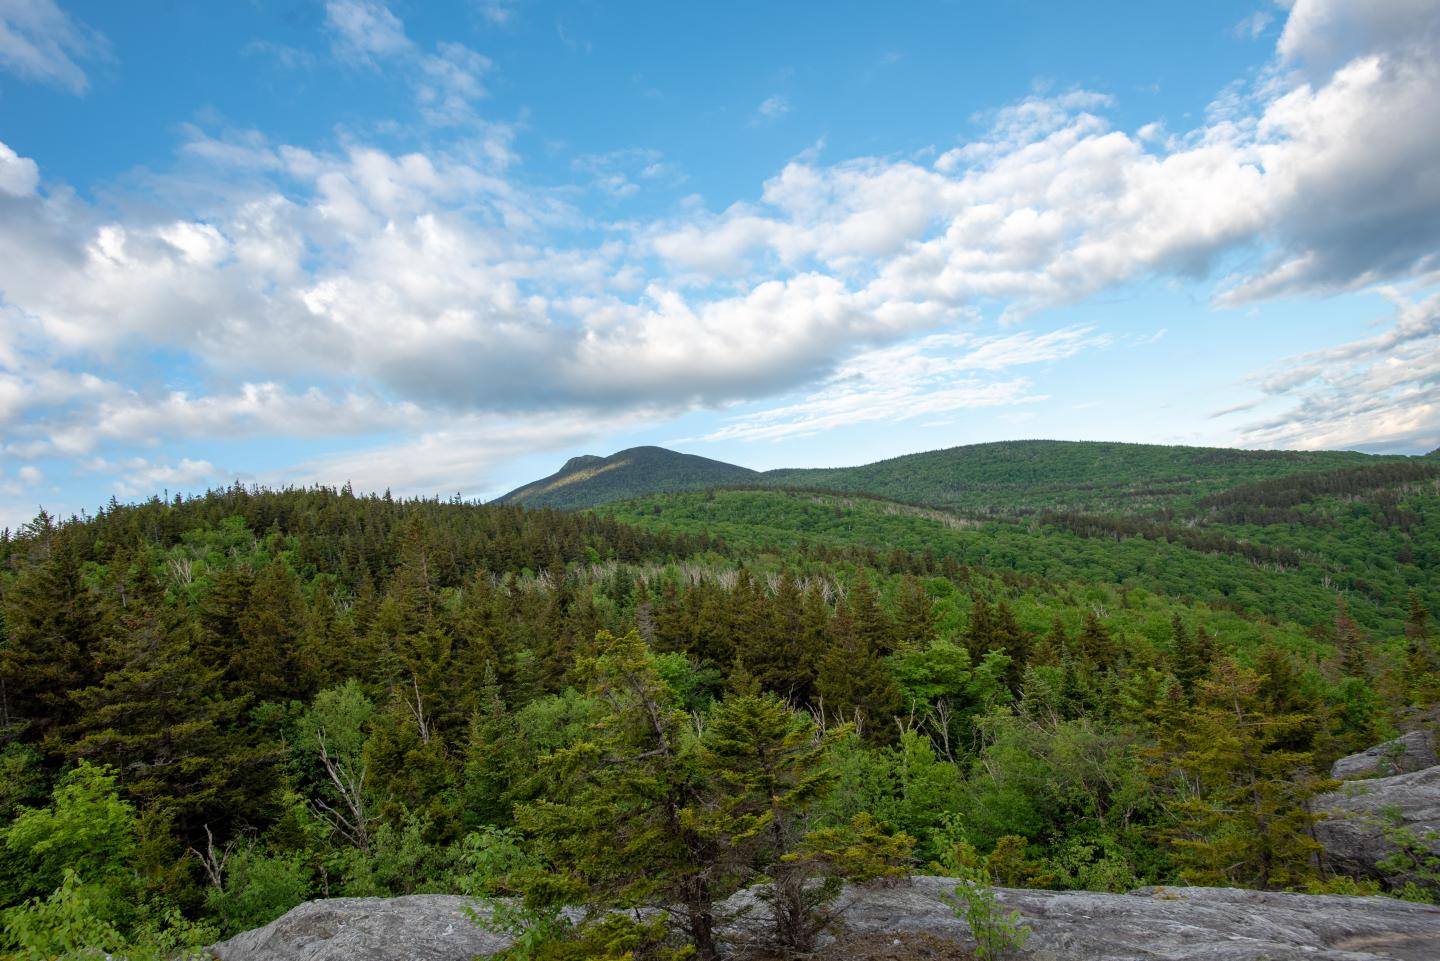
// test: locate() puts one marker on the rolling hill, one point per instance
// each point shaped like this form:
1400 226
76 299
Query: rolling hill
1007 478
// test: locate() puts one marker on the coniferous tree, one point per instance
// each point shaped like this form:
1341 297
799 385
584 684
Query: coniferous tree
853 682
1193 653
273 656
1350 641
52 622
914 613
158 716
768 771
623 825
1243 800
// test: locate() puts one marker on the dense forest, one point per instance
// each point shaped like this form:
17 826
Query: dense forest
218 707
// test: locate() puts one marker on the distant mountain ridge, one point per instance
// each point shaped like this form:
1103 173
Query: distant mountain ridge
589 480
1007 477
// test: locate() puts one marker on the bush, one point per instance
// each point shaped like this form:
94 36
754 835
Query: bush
995 931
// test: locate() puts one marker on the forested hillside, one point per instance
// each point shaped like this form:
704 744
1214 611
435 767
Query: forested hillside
1009 478
216 708
1018 477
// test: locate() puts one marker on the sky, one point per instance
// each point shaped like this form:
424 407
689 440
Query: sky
441 247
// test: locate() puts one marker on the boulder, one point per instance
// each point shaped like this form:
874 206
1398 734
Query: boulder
1211 924
1409 752
420 927
1367 824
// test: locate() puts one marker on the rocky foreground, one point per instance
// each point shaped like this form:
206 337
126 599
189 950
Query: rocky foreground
1213 924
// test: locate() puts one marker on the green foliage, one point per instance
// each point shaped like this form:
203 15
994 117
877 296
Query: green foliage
86 831
995 930
1243 809
74 921
258 888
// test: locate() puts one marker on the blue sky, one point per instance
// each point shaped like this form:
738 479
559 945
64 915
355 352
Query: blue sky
441 247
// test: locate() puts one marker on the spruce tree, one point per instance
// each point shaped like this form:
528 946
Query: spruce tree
159 716
853 682
1243 799
52 620
767 765
623 825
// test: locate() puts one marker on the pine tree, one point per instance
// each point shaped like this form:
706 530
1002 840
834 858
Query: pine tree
869 618
1421 670
1350 641
273 659
914 614
980 631
1193 654
1095 646
52 621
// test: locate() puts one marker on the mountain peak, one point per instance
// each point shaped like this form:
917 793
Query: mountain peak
588 480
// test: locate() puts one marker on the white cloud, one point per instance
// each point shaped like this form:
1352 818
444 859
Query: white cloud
773 107
1380 393
446 83
325 293
1251 27
365 30
41 42
498 12
19 176
941 373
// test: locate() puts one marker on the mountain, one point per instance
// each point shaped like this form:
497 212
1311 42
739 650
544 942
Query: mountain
589 480
1006 478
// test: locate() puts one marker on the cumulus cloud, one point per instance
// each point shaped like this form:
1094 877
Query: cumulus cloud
19 176
42 43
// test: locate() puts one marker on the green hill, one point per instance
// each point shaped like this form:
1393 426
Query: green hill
589 480
1005 479
1017 477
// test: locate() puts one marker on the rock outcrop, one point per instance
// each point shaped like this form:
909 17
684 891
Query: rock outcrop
421 927
1410 752
1367 823
1211 924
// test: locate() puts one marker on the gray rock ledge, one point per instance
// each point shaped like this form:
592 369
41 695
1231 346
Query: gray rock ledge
1208 924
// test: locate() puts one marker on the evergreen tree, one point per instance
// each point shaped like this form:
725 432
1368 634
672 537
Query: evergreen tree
767 768
1350 641
272 657
914 613
854 683
1193 653
158 716
1243 799
52 622
623 824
